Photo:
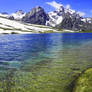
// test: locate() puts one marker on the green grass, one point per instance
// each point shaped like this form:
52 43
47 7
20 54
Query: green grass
86 31
6 28
48 31
14 33
59 29
84 82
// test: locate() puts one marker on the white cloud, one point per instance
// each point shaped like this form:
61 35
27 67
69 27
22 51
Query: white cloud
54 4
81 13
68 6
58 5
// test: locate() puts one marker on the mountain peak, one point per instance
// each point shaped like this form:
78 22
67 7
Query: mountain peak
5 13
19 12
36 16
18 15
61 8
37 9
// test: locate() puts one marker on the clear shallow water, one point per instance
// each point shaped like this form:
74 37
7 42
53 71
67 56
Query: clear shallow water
19 53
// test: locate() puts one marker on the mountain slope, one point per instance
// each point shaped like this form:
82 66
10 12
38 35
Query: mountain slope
12 26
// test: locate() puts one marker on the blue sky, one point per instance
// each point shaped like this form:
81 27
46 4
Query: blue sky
10 6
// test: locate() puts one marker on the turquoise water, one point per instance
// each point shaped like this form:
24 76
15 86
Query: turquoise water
20 53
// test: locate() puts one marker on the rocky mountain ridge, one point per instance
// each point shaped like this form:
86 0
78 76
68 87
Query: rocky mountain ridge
69 19
63 18
36 16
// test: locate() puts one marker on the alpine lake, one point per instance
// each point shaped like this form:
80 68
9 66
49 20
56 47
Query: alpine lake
48 62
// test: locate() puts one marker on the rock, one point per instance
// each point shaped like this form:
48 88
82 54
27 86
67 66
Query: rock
36 16
11 17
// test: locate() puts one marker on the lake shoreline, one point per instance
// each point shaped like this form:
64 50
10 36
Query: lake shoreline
30 32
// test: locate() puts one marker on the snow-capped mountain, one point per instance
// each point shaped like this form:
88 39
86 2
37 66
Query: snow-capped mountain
62 17
18 15
87 20
4 14
56 17
67 18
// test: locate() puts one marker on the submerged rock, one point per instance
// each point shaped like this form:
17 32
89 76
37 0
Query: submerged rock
84 82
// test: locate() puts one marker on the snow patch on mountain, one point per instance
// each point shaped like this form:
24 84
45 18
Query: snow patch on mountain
9 26
54 20
18 15
87 20
71 11
3 15
55 17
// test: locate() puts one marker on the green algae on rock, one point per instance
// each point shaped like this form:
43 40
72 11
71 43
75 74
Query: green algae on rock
84 82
